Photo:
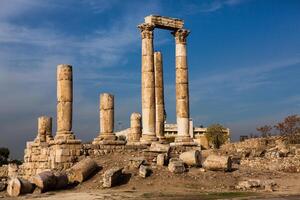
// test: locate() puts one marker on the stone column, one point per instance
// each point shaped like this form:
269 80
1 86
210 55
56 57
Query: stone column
182 87
64 102
106 118
44 129
148 84
135 128
159 96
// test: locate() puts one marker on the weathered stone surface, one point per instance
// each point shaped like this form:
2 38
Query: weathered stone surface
82 170
46 181
164 22
176 166
157 147
191 158
159 95
217 163
112 177
136 162
148 84
268 185
17 186
135 128
3 171
144 171
44 129
106 119
161 159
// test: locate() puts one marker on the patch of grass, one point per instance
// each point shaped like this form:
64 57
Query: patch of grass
202 196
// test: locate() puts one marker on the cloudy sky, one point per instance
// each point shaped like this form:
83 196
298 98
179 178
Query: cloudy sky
244 61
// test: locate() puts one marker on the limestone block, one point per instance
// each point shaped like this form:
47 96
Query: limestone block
112 177
157 147
217 163
182 91
82 170
148 79
106 121
64 91
182 76
164 22
191 158
144 171
147 47
64 116
161 159
106 101
180 50
64 72
176 166
17 186
136 162
181 62
182 109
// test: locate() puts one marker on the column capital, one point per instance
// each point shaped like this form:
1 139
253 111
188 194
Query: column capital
181 35
146 30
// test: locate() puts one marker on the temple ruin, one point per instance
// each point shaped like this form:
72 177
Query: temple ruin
146 129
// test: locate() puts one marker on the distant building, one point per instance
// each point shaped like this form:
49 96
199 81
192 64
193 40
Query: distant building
197 133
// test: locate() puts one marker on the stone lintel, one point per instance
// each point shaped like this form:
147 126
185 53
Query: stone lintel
164 22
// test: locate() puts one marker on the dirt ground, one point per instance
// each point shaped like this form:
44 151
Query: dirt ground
163 184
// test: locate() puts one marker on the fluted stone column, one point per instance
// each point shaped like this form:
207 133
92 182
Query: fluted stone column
106 118
64 102
44 129
148 84
135 128
182 87
159 96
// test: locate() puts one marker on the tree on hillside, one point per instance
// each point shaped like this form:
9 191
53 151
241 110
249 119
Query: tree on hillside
216 135
290 127
264 130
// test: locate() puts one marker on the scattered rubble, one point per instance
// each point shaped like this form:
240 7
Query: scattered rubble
176 166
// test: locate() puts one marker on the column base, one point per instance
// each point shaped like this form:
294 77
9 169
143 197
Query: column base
148 139
184 141
65 137
107 138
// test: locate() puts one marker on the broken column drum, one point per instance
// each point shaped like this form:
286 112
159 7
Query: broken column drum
135 128
148 84
159 95
44 129
107 117
182 87
64 102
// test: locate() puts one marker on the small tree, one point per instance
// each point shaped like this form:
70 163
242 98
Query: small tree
4 154
265 130
290 127
216 135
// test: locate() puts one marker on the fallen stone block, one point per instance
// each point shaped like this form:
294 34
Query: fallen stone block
136 162
17 186
176 166
191 158
144 171
158 147
82 170
161 159
45 181
217 163
112 177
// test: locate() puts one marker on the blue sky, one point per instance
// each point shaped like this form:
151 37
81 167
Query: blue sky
243 57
